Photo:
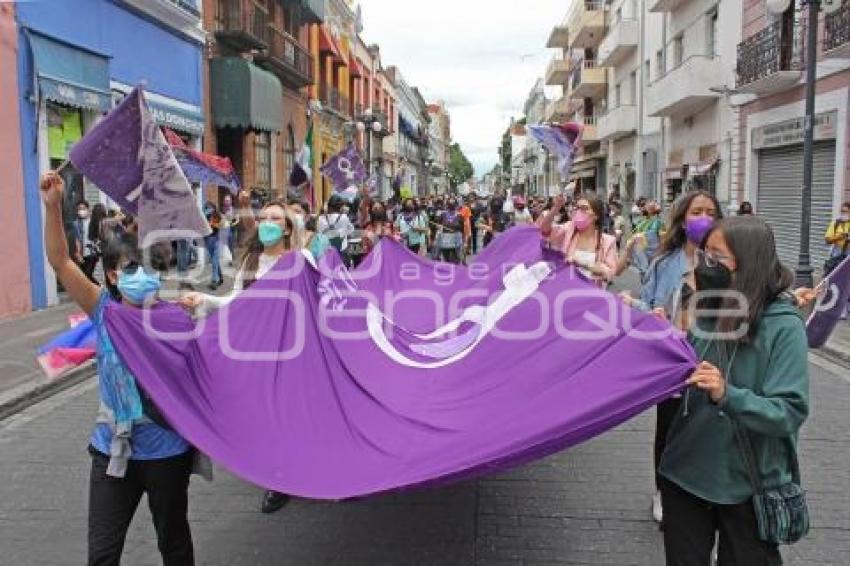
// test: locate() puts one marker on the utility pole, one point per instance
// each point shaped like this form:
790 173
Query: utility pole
804 263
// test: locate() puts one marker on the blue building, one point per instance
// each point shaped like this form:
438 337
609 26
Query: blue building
77 59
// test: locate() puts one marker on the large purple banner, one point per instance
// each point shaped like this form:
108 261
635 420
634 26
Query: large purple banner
327 383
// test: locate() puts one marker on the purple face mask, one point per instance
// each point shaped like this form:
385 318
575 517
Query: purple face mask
697 227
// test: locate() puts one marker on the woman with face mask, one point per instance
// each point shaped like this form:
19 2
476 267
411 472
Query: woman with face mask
581 239
317 244
378 227
735 435
668 285
450 236
133 450
412 225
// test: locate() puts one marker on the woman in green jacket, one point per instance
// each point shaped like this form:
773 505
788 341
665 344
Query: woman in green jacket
753 376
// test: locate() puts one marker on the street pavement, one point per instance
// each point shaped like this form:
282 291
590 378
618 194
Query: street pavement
587 505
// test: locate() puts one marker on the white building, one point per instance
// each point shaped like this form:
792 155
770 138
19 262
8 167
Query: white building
536 172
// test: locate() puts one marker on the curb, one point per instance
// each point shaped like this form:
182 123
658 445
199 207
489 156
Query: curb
45 390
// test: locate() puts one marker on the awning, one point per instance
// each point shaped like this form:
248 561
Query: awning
328 46
245 96
354 68
585 169
673 172
70 75
701 167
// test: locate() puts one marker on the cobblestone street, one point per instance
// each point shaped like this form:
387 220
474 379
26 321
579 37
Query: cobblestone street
588 505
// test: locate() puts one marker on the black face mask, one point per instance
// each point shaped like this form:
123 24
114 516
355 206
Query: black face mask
379 216
717 278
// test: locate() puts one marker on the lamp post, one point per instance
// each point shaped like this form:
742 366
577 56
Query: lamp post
804 264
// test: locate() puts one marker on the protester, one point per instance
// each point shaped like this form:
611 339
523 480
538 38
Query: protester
335 225
450 236
521 215
668 284
85 247
212 244
378 227
617 221
582 240
133 450
736 432
412 225
318 244
838 238
745 209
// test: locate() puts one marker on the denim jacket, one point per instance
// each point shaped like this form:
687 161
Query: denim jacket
663 281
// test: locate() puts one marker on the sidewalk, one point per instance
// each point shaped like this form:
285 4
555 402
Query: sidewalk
837 348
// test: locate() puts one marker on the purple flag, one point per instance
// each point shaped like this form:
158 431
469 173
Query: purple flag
830 305
330 383
127 157
345 169
561 141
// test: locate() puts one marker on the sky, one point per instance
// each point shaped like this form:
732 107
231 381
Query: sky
481 57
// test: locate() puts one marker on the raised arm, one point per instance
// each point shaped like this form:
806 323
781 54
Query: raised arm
84 292
548 217
246 216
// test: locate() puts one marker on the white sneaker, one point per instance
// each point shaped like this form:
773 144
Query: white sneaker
657 510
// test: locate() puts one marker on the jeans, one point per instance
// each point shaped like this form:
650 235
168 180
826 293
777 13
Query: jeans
691 525
113 502
211 242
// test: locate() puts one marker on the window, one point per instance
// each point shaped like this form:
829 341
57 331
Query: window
711 34
633 88
617 95
660 64
262 159
646 71
289 151
678 51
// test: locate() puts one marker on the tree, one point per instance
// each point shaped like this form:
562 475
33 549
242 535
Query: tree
460 168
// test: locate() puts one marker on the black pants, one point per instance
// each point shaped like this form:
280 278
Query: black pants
113 502
474 241
450 255
690 524
88 265
415 248
665 412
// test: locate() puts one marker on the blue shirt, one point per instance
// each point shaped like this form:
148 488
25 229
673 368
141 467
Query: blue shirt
148 441
663 281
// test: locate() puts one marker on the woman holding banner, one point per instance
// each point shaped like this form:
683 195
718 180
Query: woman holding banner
729 471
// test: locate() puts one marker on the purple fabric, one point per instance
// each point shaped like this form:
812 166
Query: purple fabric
127 157
830 306
345 169
199 172
346 418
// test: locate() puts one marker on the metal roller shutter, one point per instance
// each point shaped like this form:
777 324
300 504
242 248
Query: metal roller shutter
780 199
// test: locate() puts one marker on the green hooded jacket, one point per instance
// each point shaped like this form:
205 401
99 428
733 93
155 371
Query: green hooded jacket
767 392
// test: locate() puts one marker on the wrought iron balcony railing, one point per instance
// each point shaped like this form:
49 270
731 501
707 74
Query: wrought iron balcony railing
243 24
287 58
836 31
766 53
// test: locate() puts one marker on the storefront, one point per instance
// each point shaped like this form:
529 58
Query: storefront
780 177
71 70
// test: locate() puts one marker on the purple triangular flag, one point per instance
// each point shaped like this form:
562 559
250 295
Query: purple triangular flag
345 169
127 157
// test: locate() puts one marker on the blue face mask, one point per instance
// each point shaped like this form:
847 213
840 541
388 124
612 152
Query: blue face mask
139 286
269 232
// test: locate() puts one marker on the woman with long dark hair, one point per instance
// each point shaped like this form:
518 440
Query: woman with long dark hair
450 232
667 285
582 239
735 435
412 225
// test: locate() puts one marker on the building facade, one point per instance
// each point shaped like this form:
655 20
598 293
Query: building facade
412 138
771 85
536 162
71 70
15 297
439 131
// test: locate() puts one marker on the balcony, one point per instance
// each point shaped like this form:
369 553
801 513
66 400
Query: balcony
559 110
664 5
836 35
621 40
590 133
559 37
618 123
558 72
333 99
287 59
587 23
241 24
685 89
589 80
767 63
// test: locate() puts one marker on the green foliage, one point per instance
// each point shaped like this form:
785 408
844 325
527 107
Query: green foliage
460 168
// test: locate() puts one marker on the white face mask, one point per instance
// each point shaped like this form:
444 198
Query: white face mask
82 214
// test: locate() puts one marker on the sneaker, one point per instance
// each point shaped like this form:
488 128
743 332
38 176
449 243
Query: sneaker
273 501
657 510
